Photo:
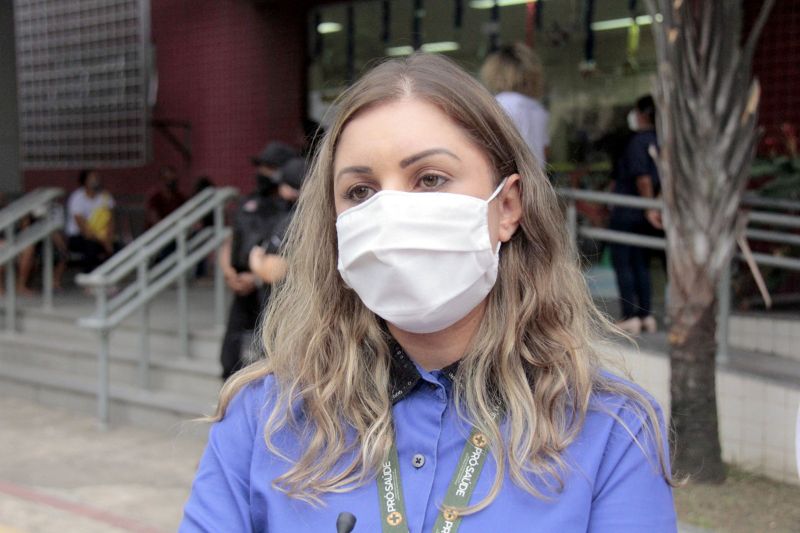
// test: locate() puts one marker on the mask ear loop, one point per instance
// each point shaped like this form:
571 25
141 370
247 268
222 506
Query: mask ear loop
492 197
497 190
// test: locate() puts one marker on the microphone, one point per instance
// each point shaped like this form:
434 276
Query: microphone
345 522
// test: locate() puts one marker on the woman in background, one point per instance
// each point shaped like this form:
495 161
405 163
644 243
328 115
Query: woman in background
514 75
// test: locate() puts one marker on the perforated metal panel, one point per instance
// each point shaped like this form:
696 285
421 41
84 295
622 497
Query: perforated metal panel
82 77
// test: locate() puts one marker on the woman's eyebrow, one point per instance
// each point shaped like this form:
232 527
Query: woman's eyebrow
426 153
354 170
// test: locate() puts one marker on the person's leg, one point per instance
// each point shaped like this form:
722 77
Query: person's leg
232 341
620 260
26 261
75 244
640 267
201 268
241 321
58 273
61 257
79 246
94 254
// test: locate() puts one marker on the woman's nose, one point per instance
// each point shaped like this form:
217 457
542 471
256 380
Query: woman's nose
395 183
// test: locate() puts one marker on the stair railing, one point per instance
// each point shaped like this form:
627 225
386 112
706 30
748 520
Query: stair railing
47 218
789 223
132 278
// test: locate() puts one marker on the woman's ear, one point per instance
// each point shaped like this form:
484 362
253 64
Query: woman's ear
510 208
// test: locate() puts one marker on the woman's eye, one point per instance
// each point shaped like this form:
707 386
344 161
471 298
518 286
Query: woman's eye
431 181
359 193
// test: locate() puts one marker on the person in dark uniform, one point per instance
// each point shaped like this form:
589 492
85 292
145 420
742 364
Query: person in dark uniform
636 175
265 261
253 222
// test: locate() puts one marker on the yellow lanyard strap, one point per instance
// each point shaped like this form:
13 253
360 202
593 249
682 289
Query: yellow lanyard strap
459 492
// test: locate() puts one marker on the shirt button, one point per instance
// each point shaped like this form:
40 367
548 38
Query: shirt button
418 461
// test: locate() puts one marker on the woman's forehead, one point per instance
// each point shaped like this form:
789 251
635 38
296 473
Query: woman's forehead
412 124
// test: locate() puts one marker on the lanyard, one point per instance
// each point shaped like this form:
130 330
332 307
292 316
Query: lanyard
459 492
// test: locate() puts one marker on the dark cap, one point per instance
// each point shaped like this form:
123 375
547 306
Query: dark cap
293 172
275 155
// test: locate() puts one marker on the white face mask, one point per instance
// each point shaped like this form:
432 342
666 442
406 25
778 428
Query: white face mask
420 261
633 120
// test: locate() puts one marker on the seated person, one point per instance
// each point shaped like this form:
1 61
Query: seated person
166 198
90 221
33 255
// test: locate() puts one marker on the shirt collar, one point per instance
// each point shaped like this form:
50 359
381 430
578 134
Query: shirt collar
404 375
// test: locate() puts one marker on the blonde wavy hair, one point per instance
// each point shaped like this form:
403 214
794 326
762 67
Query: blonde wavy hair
516 68
534 352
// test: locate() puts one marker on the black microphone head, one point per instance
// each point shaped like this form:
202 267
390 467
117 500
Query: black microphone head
345 522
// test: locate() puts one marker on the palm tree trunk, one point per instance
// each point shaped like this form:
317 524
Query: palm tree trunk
707 113
693 349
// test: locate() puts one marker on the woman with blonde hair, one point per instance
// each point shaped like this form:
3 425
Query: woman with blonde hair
431 355
514 75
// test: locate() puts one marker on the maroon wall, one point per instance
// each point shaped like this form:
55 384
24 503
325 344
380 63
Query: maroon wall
777 62
235 71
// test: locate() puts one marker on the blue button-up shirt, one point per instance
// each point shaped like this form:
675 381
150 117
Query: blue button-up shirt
612 485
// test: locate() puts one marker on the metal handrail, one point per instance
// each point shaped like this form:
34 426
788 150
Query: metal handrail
126 302
753 200
14 212
774 219
600 197
144 275
637 202
43 199
122 258
659 243
773 236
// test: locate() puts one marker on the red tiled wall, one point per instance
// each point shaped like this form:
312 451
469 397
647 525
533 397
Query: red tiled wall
777 62
236 72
